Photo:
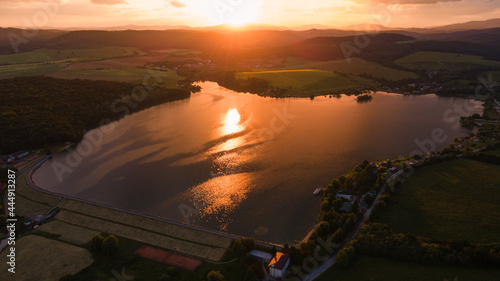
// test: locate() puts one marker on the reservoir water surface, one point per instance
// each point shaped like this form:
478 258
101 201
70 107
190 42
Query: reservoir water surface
242 163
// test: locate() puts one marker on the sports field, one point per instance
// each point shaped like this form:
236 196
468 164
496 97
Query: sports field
169 258
457 199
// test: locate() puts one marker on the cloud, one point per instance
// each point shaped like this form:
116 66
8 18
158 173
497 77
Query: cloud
401 2
108 2
176 4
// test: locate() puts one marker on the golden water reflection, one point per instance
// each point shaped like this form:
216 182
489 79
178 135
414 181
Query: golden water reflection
232 122
220 196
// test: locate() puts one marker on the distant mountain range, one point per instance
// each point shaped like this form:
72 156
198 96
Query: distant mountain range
486 24
475 38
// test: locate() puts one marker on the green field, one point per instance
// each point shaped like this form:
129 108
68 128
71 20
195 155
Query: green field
366 268
66 232
46 55
169 77
10 71
355 67
494 152
456 199
302 82
435 61
43 259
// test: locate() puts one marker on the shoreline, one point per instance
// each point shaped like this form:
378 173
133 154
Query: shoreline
34 186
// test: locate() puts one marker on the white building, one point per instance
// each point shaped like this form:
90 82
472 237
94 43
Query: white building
278 265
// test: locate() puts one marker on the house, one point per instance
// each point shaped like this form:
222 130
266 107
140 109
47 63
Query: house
346 207
344 196
263 256
4 158
278 265
20 154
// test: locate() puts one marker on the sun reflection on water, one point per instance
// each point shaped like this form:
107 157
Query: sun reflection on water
232 122
220 196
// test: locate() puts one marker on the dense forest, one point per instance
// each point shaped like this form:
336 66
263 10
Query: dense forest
39 111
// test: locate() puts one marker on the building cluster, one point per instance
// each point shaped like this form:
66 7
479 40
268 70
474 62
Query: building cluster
13 157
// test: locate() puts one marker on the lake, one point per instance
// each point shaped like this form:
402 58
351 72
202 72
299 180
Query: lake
242 163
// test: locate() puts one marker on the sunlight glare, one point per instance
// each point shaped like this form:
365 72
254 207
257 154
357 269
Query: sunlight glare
232 122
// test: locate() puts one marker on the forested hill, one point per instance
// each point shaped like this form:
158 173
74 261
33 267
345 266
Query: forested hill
39 111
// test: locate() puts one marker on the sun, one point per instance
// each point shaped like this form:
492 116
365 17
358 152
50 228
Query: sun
233 12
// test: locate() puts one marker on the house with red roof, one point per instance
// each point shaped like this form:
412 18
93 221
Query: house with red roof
278 265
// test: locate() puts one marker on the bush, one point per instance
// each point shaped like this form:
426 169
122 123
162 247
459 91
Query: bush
215 276
239 249
342 259
350 252
248 243
110 245
66 277
96 243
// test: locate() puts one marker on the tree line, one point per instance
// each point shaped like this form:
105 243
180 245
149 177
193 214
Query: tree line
39 111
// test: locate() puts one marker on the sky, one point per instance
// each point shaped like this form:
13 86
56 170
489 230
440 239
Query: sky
287 13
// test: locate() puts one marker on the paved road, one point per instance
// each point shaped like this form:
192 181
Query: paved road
4 241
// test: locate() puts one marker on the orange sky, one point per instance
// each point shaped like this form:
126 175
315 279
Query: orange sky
291 13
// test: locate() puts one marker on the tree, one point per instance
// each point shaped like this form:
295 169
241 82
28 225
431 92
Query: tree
96 243
286 249
324 229
325 205
164 277
250 275
66 277
350 252
239 249
368 199
273 251
215 276
342 259
338 236
248 243
110 245
337 203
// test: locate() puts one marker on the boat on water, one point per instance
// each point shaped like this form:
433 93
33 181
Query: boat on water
317 191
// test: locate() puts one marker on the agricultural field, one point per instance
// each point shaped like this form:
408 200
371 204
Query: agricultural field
118 63
132 75
305 82
10 71
159 239
66 232
456 199
434 61
494 152
46 55
356 66
173 230
366 268
32 250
